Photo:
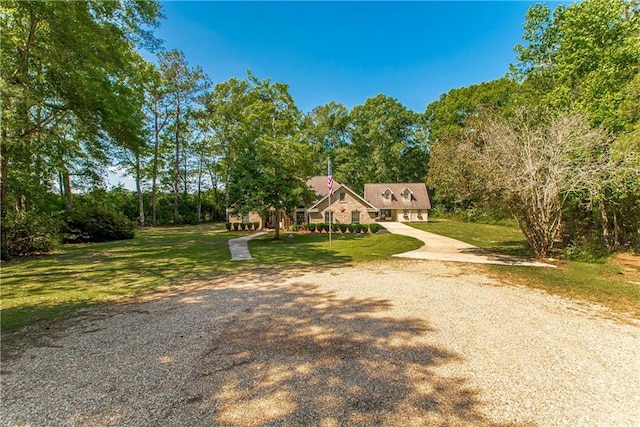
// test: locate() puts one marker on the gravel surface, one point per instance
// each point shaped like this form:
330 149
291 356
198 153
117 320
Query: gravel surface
402 342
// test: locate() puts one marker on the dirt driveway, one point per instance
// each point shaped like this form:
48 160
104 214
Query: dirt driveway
403 342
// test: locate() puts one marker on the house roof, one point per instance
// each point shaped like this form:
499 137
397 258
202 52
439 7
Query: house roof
338 187
319 186
373 193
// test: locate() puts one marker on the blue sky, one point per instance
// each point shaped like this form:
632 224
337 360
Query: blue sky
349 51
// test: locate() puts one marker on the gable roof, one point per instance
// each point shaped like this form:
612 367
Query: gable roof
419 197
319 186
368 205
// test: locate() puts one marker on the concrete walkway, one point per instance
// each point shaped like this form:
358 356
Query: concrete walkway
239 247
442 248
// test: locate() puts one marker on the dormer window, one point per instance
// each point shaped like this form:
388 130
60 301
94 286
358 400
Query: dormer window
406 195
387 195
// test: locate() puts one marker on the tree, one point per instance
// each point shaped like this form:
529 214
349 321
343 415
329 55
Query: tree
270 163
451 120
184 86
326 130
388 143
533 169
66 61
585 57
582 57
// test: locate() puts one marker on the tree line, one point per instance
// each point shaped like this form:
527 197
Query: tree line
553 144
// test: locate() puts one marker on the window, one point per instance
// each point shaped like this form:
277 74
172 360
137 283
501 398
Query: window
420 213
406 214
328 217
387 195
299 218
245 218
406 195
343 196
355 217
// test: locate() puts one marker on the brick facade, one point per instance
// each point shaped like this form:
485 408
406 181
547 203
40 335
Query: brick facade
344 211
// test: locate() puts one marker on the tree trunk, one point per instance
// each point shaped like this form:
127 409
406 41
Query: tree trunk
154 175
606 234
199 209
277 225
4 188
176 188
66 185
139 191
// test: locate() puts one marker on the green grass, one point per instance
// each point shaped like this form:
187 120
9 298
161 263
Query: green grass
497 238
614 283
79 276
313 249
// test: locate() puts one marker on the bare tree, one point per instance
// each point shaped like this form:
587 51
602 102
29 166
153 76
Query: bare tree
535 167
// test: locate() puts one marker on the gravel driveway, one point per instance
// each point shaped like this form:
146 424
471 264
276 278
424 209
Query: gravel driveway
402 342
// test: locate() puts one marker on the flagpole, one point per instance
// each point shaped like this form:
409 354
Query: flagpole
330 215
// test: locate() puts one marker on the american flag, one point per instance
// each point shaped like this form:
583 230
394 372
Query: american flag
330 180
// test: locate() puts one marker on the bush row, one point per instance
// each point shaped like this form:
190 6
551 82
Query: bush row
35 233
343 228
235 226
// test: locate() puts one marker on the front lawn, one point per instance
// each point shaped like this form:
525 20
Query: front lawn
79 276
313 249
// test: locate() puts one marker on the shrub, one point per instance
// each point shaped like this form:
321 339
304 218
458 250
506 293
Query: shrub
353 228
343 228
243 226
374 227
586 250
96 224
256 225
321 227
335 227
312 227
228 226
236 226
30 234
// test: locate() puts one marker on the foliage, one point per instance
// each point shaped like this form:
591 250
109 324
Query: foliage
312 227
388 143
227 225
534 169
451 119
374 227
91 223
585 250
591 63
353 228
343 228
30 234
70 91
268 162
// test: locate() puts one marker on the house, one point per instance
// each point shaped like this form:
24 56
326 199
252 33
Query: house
345 206
399 202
